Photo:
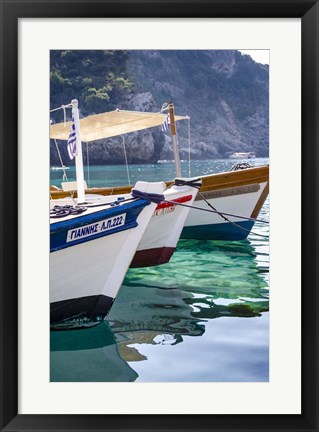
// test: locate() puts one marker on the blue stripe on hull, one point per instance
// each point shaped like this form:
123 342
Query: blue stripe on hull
59 230
223 231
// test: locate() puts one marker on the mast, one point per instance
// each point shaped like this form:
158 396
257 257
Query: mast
174 139
78 156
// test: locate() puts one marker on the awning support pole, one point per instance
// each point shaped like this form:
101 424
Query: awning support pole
174 140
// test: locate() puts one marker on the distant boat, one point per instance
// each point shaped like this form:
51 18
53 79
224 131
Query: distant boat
242 155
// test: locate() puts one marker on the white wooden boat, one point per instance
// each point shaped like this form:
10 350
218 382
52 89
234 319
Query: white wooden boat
237 196
164 229
91 248
242 155
162 234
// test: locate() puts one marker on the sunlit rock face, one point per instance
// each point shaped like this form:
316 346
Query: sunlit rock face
225 94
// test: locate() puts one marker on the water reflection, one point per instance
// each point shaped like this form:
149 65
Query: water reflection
87 355
115 175
204 313
149 311
178 302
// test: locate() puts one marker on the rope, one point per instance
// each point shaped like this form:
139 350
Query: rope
160 198
195 182
126 163
222 214
61 107
189 146
88 163
119 201
67 210
241 166
231 222
164 107
218 212
65 177
156 198
181 182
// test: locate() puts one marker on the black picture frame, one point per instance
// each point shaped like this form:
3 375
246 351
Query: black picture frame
11 11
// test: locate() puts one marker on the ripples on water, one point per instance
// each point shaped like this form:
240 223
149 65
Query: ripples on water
201 317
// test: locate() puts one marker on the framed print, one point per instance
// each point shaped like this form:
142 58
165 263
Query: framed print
161 360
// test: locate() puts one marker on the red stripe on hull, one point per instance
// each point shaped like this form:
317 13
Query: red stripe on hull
177 200
152 257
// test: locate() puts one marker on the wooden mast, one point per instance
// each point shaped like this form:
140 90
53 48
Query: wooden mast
174 139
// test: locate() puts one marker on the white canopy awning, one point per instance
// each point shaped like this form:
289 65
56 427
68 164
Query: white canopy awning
110 124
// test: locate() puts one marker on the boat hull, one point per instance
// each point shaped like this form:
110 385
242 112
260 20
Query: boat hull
241 192
218 231
244 200
159 240
152 257
163 232
86 273
81 311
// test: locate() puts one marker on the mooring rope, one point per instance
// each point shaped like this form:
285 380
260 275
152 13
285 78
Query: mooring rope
158 198
228 220
192 182
66 210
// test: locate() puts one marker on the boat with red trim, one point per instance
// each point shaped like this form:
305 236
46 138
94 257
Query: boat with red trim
163 232
92 246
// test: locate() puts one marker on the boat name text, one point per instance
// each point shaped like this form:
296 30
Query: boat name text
221 193
95 228
164 210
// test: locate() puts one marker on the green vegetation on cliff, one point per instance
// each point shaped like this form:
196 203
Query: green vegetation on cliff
224 92
98 79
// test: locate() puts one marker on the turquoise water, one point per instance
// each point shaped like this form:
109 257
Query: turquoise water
115 175
202 317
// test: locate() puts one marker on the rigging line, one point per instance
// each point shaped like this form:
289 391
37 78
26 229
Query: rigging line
215 211
125 155
228 220
110 203
160 199
61 107
221 214
194 184
62 164
189 147
164 107
88 163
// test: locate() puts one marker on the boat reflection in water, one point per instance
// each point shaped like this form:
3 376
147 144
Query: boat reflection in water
158 308
87 355
165 304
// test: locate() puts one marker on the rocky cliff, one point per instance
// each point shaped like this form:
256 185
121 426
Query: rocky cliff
225 94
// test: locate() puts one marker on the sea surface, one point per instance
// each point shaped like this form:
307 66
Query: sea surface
203 317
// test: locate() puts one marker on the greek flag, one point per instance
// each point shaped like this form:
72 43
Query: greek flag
72 141
166 123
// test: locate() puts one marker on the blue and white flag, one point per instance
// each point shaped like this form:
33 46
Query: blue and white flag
166 123
72 141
